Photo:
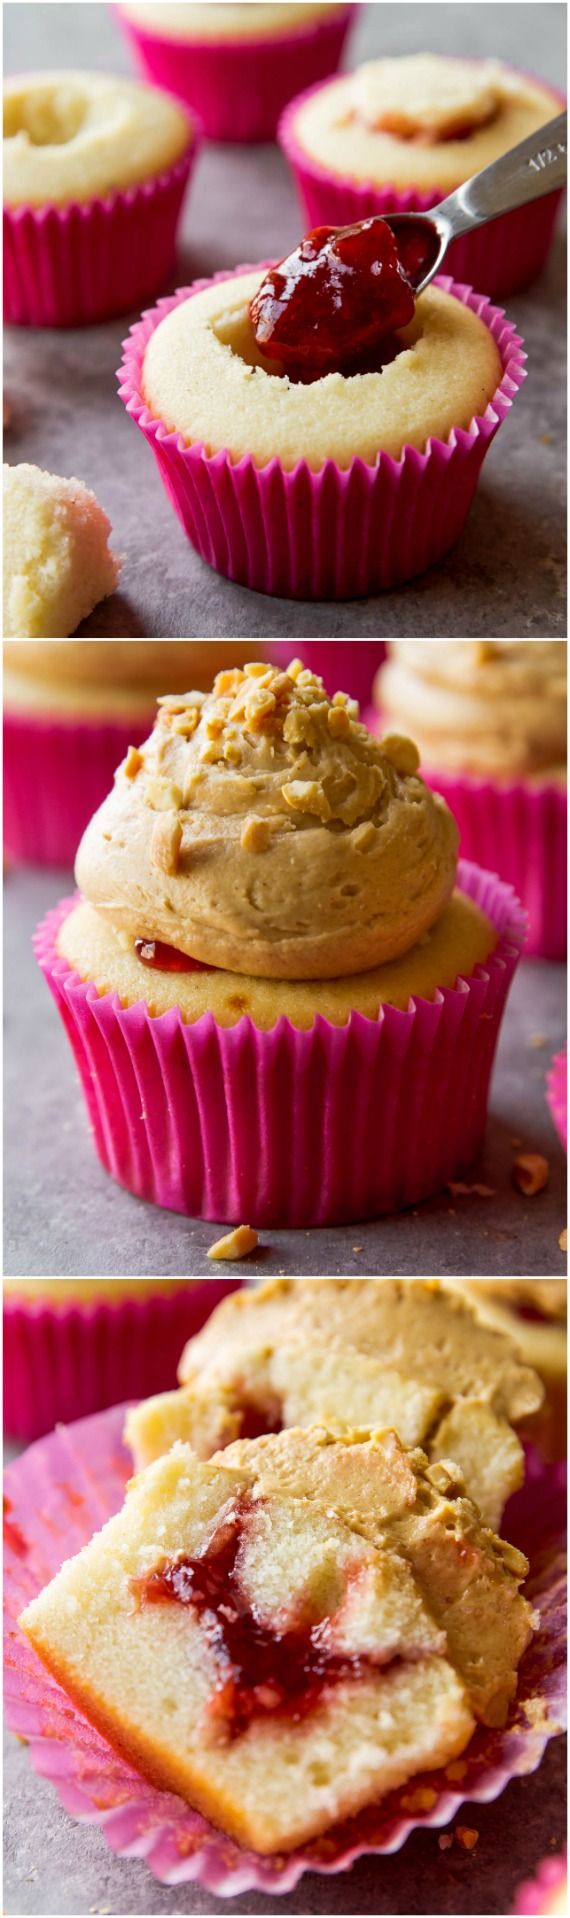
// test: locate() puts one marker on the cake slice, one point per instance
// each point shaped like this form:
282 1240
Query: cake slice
355 1352
283 1635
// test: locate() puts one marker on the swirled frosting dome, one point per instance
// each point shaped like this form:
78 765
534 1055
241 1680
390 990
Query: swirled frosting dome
482 706
263 830
76 136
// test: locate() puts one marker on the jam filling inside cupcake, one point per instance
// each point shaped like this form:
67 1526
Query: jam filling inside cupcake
162 958
261 1670
336 302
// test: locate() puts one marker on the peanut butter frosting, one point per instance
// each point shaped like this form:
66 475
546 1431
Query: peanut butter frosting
262 829
424 120
77 136
495 707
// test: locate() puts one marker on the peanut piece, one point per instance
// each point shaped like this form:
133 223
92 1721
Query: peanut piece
234 1245
530 1173
165 842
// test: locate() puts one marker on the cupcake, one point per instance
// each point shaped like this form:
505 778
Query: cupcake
71 711
318 432
237 66
400 134
95 169
489 718
74 1346
532 1312
271 930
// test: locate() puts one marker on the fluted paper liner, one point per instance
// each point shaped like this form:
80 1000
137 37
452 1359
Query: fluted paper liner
64 1361
338 533
288 1127
520 828
557 1094
57 772
63 1489
506 254
237 87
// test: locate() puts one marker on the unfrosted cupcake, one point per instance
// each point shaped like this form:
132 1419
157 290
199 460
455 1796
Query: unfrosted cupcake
74 1346
237 66
489 718
95 169
400 134
319 434
270 935
71 710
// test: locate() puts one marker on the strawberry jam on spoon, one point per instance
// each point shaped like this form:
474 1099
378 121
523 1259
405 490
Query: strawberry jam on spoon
338 299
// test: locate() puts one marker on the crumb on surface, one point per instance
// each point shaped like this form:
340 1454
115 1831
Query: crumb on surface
234 1245
530 1171
563 1240
445 1841
459 1190
466 1837
536 1040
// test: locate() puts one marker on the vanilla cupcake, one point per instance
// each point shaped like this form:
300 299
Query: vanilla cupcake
400 134
489 718
270 912
71 710
74 1346
237 66
95 169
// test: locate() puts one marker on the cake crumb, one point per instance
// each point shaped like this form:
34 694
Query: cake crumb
459 1190
536 1040
530 1173
466 1837
236 1244
563 1240
445 1841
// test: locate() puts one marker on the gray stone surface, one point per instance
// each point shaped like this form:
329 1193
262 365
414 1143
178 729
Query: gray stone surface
506 575
64 1215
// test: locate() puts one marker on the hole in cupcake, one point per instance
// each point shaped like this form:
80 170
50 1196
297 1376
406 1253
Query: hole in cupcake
234 331
50 116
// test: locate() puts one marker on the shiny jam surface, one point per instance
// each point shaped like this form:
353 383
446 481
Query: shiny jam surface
260 1671
152 952
335 302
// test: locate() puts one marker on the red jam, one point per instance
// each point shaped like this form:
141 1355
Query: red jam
334 301
260 1671
152 952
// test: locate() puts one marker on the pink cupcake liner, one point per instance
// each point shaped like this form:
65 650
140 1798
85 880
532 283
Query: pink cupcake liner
62 1490
501 257
557 1094
239 88
57 772
537 1895
75 265
61 1362
521 830
234 1123
346 665
338 533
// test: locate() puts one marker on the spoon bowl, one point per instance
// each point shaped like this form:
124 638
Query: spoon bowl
535 167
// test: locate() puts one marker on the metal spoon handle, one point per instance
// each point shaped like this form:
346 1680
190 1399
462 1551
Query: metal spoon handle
535 167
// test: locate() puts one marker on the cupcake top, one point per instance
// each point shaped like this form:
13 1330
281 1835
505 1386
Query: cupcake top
74 136
207 378
262 829
419 119
495 707
233 22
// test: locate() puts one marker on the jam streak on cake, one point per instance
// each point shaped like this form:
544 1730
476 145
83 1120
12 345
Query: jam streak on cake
152 952
261 1671
338 298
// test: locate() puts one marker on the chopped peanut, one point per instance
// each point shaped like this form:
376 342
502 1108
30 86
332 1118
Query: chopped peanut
563 1240
530 1173
305 795
162 795
165 842
234 1245
401 752
255 835
466 1836
133 762
364 836
338 722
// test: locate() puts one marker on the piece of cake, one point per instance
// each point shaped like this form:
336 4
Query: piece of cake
532 1313
57 563
355 1352
287 1633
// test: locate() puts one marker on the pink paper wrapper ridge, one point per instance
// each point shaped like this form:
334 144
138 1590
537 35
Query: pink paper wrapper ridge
501 257
69 764
81 263
239 88
557 1094
234 1123
64 1488
339 533
62 1362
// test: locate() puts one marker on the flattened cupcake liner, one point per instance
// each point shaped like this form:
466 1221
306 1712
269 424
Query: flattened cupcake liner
63 1489
520 830
239 88
349 665
77 264
237 1124
557 1094
57 772
62 1362
339 533
500 258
